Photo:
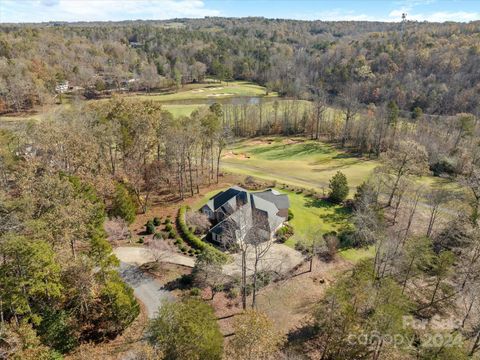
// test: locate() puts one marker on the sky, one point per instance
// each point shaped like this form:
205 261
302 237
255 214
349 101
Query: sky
15 11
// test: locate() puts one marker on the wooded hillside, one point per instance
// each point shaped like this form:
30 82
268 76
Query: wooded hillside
431 66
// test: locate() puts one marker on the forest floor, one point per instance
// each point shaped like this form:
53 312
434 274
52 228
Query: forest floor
288 302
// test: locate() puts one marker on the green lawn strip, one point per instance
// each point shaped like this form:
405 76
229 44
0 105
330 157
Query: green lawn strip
213 91
355 255
178 110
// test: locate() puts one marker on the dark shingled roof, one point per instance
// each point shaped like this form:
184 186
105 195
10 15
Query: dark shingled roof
222 197
281 201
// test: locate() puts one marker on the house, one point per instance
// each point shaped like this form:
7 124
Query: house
62 87
237 213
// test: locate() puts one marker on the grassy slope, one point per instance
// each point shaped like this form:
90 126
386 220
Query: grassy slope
211 92
307 164
313 217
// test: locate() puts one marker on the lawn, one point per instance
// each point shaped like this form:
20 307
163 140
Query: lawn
313 217
178 110
355 255
212 91
296 162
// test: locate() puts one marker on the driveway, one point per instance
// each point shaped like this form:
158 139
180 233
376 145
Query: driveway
146 288
279 258
142 255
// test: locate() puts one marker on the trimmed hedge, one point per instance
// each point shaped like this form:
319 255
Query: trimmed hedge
189 237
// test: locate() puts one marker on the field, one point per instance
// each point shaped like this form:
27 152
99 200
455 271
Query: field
296 162
202 92
180 103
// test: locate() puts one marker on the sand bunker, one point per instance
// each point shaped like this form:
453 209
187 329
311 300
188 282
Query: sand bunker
221 94
232 155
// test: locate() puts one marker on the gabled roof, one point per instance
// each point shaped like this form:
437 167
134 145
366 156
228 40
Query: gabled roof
223 197
280 200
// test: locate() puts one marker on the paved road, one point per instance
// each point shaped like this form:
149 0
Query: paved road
146 288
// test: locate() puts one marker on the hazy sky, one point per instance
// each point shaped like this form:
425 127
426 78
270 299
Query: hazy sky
104 10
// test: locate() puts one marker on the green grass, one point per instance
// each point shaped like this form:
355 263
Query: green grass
314 217
303 163
355 255
212 91
181 110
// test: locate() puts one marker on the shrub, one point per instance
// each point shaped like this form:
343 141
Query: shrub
302 247
338 188
172 234
290 215
149 227
284 233
233 293
158 236
197 222
167 220
123 205
168 227
177 323
189 237
157 221
195 291
443 166
141 240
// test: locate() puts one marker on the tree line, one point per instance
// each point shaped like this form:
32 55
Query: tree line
427 65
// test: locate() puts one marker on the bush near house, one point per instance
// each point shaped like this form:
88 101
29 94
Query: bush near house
149 227
284 233
189 237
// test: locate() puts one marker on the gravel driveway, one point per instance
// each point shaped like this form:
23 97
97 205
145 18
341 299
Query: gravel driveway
146 288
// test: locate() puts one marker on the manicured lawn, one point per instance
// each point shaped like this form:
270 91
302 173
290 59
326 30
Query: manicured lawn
212 91
297 162
181 110
313 217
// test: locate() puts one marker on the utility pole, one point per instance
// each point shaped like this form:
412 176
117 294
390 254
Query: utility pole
404 21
